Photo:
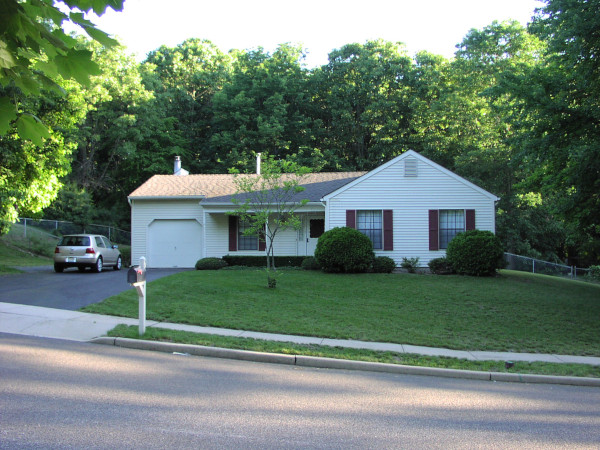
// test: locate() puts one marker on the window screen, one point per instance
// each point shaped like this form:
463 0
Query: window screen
452 222
317 228
370 223
246 242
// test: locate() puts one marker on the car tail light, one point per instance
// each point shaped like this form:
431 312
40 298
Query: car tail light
56 250
90 250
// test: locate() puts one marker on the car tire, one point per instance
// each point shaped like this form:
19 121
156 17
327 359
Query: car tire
58 268
119 263
99 265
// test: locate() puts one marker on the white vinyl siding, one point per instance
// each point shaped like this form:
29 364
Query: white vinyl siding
411 198
144 212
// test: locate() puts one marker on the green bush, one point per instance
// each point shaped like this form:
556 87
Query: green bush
210 264
311 263
594 273
440 266
476 253
344 250
383 264
410 264
261 261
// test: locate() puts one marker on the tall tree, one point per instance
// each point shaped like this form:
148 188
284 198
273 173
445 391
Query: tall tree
36 57
264 108
365 99
184 80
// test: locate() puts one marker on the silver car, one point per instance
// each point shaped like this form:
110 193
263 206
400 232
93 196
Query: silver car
86 250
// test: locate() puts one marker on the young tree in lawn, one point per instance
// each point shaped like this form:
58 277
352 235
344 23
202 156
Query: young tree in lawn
268 203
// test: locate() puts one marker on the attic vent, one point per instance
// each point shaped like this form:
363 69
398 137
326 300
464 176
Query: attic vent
410 168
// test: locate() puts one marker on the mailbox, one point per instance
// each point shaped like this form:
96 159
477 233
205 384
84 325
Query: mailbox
136 274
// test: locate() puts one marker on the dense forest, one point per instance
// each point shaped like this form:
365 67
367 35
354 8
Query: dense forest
516 111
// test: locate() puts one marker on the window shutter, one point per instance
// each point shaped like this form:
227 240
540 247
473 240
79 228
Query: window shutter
388 229
262 242
434 229
233 233
351 218
470 219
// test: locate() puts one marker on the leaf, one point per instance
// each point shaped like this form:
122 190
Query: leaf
32 128
8 113
78 65
7 60
101 37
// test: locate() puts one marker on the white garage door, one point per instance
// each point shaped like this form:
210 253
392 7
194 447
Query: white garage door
174 243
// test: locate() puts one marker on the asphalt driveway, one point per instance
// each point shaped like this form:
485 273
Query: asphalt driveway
41 286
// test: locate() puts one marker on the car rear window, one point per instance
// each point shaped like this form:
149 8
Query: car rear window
75 241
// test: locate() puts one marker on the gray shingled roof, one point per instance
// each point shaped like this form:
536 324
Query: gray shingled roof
221 188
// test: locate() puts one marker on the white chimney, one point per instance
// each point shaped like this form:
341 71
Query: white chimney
177 170
258 164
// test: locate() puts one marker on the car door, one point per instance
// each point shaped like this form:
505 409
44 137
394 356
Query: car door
103 250
113 252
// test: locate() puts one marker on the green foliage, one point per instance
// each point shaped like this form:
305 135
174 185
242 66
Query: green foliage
35 52
410 264
210 264
475 253
594 273
440 266
268 202
383 264
310 263
259 261
344 250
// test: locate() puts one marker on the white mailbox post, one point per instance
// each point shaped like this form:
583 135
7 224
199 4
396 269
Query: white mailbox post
136 276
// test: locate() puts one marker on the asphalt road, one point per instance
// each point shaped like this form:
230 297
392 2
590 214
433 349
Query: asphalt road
41 286
62 394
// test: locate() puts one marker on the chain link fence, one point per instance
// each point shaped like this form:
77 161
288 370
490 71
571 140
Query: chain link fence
57 228
526 264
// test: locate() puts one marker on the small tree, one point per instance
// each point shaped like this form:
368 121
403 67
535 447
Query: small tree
268 203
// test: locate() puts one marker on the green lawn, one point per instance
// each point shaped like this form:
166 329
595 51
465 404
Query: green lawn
11 256
514 311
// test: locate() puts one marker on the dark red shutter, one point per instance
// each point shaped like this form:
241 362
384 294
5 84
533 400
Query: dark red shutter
433 230
388 229
470 219
351 218
262 242
233 233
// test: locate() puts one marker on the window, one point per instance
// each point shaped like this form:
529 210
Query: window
246 242
452 222
370 223
100 242
317 228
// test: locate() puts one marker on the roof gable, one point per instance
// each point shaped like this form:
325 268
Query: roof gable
414 154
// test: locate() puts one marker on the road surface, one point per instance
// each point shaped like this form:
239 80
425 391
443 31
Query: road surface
62 394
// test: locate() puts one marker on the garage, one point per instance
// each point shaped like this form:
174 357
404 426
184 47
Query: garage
174 243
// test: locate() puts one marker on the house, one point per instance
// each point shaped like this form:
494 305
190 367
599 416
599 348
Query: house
409 207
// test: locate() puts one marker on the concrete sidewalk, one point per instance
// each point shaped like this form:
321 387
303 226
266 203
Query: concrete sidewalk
79 326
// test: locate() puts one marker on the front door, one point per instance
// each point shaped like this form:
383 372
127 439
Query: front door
312 228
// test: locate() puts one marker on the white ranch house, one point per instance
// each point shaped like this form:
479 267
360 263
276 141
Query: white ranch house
409 207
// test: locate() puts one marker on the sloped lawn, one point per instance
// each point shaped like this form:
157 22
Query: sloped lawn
514 311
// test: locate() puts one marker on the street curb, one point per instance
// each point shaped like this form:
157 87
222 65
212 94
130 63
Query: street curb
331 363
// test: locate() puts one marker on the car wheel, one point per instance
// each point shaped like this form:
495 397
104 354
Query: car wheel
98 266
119 263
58 268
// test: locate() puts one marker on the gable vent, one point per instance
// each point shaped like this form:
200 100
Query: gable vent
410 168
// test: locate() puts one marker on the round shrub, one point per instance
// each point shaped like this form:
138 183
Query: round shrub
476 253
344 250
310 263
440 266
383 264
210 264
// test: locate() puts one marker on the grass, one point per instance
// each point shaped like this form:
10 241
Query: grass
514 311
11 257
288 348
